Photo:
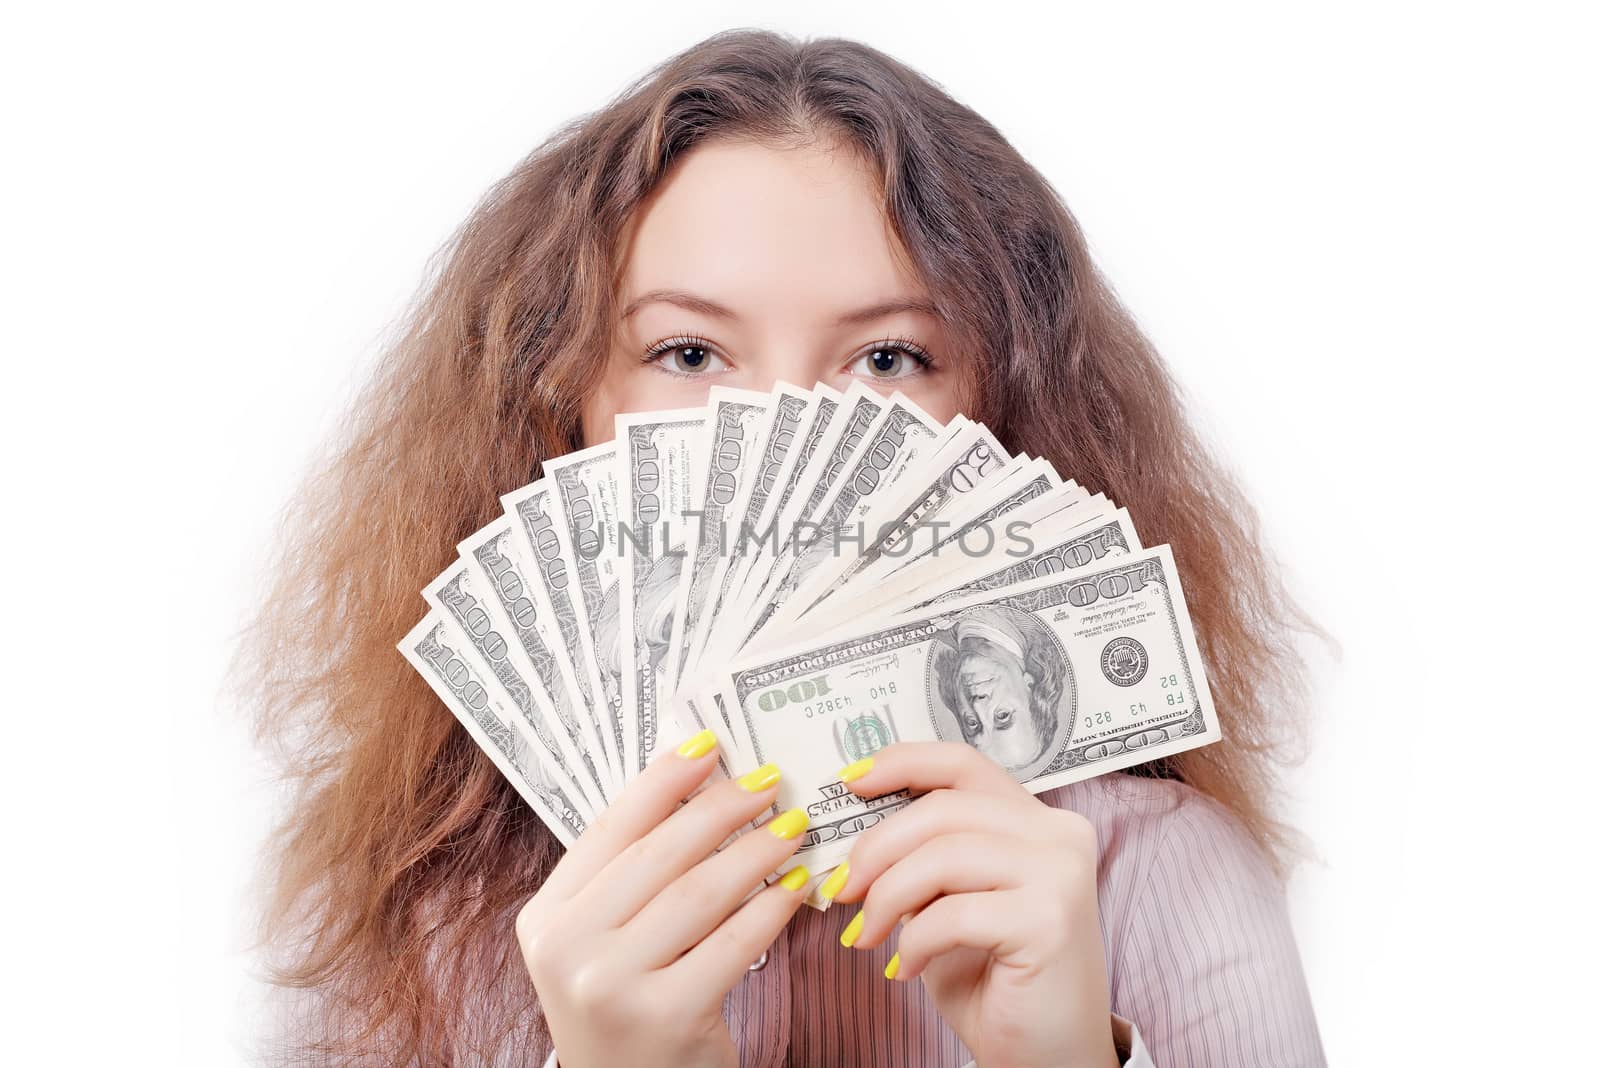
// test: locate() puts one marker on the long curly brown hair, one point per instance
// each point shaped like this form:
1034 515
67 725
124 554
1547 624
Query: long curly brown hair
397 874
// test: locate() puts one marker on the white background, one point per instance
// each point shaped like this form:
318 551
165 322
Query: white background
1363 236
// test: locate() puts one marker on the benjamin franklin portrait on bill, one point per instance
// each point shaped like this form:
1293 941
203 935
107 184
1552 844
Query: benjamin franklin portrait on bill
1000 675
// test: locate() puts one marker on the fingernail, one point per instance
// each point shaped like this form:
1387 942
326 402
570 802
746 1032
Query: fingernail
835 882
789 824
699 745
892 969
852 772
760 779
795 878
853 931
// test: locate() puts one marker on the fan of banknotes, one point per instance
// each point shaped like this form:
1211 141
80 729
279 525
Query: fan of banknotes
811 575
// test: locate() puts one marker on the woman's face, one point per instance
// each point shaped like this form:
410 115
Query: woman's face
750 266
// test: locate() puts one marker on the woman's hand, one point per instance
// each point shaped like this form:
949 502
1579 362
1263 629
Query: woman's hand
997 892
638 934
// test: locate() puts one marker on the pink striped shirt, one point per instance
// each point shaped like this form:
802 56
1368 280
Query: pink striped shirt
1200 957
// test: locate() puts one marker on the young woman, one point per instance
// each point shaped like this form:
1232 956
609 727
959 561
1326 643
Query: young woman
760 210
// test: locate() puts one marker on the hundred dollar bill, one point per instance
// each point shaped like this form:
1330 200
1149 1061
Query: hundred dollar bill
927 495
1067 540
521 606
1057 680
1023 493
774 444
763 521
538 538
858 408
1018 487
439 657
901 437
1007 535
860 411
585 503
958 500
734 426
1094 539
657 455
461 597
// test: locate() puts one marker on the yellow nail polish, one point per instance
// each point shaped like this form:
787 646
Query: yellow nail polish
699 745
835 882
853 931
795 878
790 824
892 969
852 772
760 779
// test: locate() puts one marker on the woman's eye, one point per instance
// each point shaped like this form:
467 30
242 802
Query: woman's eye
889 360
685 356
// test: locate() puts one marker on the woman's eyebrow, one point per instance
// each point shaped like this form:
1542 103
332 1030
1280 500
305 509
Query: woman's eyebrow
706 306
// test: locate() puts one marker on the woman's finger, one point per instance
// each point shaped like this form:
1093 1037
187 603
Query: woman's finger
724 956
920 766
652 862
643 803
689 909
996 922
926 818
949 864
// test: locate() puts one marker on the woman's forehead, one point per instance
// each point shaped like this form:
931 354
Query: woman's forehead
749 229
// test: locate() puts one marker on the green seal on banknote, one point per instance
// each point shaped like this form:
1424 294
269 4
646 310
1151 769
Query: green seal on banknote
860 736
